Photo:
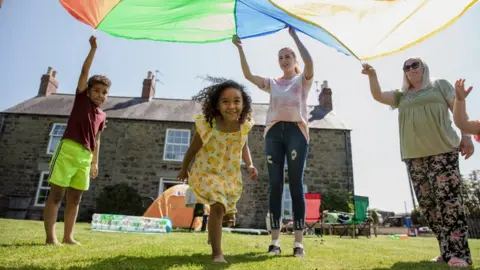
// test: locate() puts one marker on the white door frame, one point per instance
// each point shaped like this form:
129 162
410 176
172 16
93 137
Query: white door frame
167 180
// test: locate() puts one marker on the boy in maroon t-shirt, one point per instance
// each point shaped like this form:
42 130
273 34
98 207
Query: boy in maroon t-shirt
76 157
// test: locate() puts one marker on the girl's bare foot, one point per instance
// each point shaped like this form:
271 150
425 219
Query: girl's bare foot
218 259
71 242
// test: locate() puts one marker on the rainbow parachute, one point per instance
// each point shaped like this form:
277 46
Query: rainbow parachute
366 29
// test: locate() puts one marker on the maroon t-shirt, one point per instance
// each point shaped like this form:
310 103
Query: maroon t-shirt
85 120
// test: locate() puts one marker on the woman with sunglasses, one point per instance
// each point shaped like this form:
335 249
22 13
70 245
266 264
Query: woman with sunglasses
430 148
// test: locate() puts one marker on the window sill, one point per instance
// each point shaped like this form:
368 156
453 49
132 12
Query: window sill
172 160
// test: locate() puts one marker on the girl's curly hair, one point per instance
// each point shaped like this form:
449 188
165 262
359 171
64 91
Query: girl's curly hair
209 97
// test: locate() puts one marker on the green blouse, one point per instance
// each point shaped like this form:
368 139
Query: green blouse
424 121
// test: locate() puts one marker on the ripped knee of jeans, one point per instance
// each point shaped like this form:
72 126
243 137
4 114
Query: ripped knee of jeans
293 154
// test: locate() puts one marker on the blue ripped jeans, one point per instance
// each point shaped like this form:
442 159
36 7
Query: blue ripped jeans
285 139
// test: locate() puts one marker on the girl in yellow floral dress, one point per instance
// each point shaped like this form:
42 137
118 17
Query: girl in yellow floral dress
218 147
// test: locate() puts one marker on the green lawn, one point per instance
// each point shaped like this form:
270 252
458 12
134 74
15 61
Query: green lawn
21 247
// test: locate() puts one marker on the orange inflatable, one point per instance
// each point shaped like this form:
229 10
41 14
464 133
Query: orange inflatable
171 204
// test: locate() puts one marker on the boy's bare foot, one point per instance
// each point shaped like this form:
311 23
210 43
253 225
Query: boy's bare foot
218 259
71 242
53 243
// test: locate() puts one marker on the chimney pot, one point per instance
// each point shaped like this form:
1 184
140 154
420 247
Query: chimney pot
325 97
324 84
148 90
48 83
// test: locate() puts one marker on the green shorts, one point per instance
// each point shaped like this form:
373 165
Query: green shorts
70 165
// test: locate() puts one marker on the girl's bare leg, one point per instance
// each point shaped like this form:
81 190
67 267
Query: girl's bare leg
215 232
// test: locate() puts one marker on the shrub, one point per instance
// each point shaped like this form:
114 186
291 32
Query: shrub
337 199
120 199
374 216
417 218
86 215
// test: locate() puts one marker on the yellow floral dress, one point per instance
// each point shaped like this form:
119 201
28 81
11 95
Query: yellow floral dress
215 175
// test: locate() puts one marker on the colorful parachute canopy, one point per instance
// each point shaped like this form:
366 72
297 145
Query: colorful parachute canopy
366 29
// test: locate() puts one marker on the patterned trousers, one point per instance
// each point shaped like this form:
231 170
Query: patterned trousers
437 184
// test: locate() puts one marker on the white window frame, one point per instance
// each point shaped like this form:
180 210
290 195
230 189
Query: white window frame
51 136
287 198
39 187
166 180
166 142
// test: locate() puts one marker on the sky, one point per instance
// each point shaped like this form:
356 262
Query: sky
38 34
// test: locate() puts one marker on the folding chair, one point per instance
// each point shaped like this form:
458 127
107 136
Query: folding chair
313 216
199 211
359 220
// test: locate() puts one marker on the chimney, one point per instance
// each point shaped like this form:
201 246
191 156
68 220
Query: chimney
325 97
48 83
148 91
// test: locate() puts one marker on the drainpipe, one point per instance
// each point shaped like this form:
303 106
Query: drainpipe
2 119
347 163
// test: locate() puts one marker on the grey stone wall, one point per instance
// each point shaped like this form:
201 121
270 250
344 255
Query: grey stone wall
132 151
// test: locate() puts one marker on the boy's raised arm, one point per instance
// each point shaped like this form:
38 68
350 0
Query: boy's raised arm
82 81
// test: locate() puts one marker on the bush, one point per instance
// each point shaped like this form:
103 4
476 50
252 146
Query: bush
229 220
120 199
417 218
85 215
337 199
374 216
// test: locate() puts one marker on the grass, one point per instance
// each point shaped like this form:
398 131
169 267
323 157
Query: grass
21 247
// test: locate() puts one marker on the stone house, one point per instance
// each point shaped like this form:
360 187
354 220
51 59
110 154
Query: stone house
143 145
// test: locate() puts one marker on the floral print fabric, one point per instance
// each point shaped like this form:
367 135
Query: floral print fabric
437 184
215 176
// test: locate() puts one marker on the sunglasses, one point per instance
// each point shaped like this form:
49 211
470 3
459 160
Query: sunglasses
413 66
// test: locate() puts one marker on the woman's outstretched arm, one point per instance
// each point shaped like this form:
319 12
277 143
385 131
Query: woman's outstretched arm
306 57
257 80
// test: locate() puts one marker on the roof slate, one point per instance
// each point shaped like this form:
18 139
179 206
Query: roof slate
175 110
